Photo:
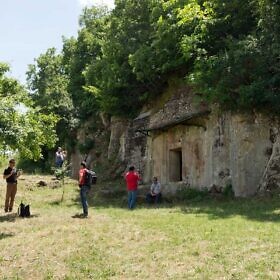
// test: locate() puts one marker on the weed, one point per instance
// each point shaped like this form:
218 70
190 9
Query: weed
228 191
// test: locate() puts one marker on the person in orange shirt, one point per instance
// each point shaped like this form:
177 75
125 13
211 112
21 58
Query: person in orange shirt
84 188
132 177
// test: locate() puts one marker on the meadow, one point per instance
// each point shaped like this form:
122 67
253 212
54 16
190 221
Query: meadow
208 239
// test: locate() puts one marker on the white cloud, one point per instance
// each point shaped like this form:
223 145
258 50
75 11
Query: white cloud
109 3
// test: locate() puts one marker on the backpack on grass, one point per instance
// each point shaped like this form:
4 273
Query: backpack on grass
90 178
24 210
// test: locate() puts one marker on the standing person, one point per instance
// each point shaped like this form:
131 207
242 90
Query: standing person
11 175
155 192
132 178
84 188
59 157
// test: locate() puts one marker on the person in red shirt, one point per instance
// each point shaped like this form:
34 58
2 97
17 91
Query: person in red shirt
84 188
132 178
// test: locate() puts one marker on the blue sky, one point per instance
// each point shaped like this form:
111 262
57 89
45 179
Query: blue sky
29 27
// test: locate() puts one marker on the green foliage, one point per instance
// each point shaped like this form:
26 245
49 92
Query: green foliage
110 72
79 54
228 191
232 78
243 72
22 127
48 82
86 146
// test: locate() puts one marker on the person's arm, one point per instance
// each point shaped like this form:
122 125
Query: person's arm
152 190
6 176
18 173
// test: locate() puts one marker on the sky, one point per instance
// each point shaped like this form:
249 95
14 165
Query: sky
29 27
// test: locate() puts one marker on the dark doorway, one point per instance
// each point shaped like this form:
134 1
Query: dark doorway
175 165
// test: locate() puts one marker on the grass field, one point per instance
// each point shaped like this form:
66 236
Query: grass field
210 239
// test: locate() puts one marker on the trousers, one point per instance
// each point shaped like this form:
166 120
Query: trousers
10 196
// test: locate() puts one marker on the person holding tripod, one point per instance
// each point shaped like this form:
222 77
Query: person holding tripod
11 175
60 156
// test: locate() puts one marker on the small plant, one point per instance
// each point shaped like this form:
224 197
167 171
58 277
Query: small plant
60 174
228 191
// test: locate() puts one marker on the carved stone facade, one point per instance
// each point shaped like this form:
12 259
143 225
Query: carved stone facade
229 149
186 144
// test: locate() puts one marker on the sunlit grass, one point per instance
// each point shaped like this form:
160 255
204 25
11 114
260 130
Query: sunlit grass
225 239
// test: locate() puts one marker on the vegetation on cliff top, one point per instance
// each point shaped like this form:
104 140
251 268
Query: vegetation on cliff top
228 50
121 59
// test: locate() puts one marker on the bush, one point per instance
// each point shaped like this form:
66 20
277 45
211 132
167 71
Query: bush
228 191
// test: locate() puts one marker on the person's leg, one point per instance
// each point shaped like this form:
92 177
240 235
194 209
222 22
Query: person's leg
149 198
83 193
8 195
12 198
133 199
158 198
129 197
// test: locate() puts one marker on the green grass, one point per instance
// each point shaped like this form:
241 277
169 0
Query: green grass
208 239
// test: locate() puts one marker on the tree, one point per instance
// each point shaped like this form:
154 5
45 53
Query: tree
79 53
22 127
47 83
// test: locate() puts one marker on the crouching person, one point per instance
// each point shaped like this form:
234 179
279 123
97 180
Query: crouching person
155 193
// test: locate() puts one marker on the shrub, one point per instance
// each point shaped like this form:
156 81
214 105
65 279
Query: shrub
228 191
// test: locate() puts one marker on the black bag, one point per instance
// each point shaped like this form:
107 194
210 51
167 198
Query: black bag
24 210
91 178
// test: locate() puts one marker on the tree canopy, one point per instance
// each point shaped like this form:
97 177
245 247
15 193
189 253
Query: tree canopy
121 59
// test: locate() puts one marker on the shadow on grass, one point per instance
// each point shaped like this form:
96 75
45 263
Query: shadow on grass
78 216
266 209
55 202
9 218
6 235
13 217
259 209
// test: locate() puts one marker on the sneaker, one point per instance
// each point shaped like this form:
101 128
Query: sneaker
6 210
10 209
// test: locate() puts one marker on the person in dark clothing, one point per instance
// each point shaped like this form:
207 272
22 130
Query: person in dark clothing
11 175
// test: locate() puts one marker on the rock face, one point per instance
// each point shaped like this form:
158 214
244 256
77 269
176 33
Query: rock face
189 145
183 142
229 149
118 131
270 179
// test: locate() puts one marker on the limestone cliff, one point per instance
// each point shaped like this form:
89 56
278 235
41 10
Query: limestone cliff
184 142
